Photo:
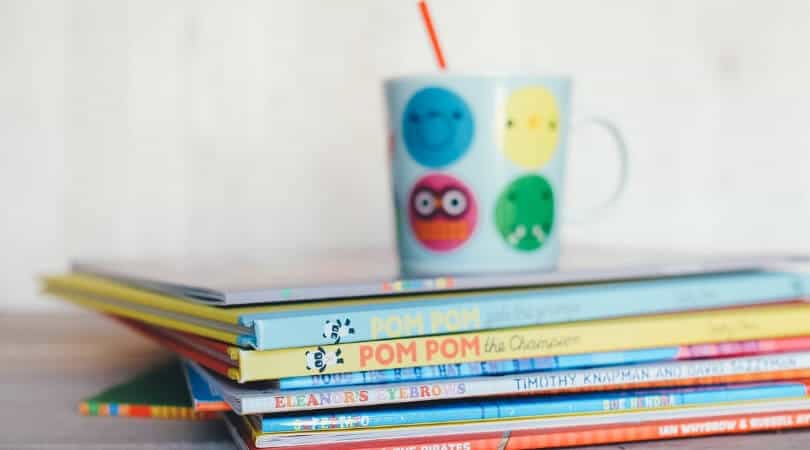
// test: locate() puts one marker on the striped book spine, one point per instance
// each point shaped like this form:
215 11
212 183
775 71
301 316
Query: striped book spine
144 411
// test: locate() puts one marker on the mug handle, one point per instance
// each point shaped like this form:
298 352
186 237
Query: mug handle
622 153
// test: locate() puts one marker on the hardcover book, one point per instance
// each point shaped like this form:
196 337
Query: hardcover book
514 366
282 279
494 409
763 322
158 393
203 398
546 432
255 399
344 322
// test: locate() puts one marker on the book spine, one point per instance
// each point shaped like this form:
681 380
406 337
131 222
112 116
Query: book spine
596 435
444 371
789 366
529 407
161 320
203 398
516 309
180 348
666 429
763 322
144 411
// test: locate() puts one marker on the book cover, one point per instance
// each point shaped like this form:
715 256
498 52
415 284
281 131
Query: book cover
391 438
444 371
764 322
530 342
203 398
293 277
527 407
610 433
362 320
159 393
665 429
268 399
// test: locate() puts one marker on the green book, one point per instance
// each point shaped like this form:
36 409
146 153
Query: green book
159 393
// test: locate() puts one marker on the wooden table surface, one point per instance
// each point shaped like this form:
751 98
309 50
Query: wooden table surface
50 362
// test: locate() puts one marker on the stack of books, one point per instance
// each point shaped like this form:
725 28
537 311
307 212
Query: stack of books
491 362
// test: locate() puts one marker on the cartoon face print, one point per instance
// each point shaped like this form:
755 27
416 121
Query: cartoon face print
531 127
524 212
442 212
321 359
437 126
337 329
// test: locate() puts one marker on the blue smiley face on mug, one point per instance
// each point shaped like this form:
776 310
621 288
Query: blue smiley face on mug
437 126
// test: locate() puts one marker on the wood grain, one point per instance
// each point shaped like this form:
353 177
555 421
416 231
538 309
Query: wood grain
51 362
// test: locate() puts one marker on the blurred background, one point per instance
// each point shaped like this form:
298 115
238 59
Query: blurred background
152 127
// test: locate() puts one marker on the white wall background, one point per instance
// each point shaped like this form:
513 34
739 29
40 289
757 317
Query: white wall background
134 128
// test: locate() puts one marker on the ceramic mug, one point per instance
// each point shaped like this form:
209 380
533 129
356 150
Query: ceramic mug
477 167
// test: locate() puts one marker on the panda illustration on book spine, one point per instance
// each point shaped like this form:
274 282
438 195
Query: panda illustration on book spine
321 359
337 329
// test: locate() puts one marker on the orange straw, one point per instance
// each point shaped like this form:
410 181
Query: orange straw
432 33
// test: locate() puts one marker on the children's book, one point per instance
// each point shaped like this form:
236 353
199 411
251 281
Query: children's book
505 367
600 427
280 279
203 398
613 429
158 393
253 399
344 322
763 322
525 407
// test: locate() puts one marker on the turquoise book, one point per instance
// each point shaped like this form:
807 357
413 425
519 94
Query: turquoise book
486 311
529 407
307 324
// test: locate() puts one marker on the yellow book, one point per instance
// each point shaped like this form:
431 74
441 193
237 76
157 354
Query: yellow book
91 285
518 343
234 325
530 342
154 318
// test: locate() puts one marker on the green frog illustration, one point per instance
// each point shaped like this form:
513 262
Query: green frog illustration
524 212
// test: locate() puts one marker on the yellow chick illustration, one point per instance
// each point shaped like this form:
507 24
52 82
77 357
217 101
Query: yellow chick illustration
531 127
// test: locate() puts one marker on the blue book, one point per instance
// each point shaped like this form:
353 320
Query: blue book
485 311
203 397
529 407
484 368
308 324
348 275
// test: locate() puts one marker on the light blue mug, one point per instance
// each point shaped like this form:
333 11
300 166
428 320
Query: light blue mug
477 166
